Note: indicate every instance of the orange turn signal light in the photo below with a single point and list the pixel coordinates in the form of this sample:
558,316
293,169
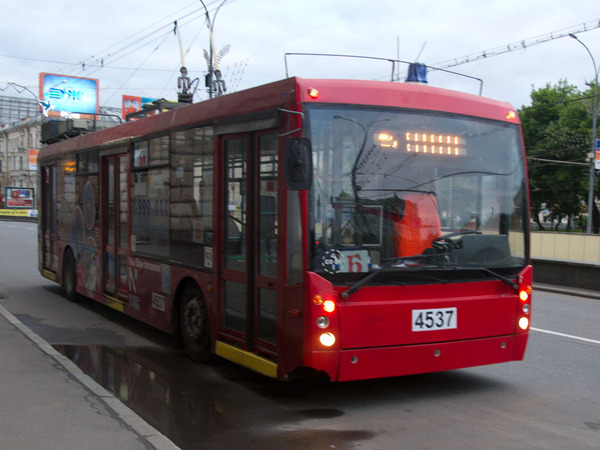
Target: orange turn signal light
313,93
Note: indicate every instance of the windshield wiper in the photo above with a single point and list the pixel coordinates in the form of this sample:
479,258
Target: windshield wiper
360,283
502,278
418,191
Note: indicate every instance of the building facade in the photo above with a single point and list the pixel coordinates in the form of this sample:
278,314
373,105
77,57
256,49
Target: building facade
14,109
21,136
18,155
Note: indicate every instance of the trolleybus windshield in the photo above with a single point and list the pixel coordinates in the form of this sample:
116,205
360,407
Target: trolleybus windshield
449,190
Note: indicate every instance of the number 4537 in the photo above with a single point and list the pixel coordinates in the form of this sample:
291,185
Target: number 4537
434,319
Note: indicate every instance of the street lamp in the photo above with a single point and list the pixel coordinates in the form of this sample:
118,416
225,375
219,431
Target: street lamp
44,106
594,121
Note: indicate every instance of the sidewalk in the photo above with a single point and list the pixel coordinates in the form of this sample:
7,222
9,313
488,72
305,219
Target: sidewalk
47,402
565,290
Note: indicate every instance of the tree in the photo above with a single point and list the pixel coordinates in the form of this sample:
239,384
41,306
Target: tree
556,130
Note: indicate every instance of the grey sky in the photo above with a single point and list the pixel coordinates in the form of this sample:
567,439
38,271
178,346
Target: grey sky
131,48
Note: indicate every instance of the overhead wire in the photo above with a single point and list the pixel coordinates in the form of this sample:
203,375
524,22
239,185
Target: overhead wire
135,71
132,39
142,30
139,43
135,43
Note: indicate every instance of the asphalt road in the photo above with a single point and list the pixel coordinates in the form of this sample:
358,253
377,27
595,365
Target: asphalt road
551,400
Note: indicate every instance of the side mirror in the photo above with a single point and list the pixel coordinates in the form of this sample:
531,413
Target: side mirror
298,164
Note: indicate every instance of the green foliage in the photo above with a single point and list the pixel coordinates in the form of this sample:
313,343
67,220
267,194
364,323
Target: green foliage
557,127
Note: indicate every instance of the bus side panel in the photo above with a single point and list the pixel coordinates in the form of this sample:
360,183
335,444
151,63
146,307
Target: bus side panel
151,282
152,292
291,333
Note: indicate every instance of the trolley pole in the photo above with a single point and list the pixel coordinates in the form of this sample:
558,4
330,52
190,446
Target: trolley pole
210,24
592,172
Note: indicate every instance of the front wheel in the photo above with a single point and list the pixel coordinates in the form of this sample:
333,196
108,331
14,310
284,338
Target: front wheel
193,322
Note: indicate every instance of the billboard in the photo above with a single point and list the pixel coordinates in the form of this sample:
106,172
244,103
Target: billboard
19,197
67,94
33,158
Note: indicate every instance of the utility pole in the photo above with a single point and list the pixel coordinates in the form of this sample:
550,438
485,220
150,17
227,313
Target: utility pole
592,171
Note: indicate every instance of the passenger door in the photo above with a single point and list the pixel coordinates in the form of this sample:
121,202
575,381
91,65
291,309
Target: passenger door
250,241
48,220
114,226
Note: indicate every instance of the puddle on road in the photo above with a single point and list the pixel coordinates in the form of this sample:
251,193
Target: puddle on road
182,400
196,405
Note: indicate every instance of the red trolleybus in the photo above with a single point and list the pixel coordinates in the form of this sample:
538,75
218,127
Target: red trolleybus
360,229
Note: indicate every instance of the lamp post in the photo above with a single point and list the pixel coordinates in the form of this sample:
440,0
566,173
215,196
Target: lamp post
594,121
43,105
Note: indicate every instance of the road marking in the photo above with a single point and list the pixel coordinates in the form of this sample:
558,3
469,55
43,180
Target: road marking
566,335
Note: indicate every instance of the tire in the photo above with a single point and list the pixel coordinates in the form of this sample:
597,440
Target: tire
70,277
193,324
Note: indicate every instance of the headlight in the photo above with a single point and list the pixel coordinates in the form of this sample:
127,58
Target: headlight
327,339
524,323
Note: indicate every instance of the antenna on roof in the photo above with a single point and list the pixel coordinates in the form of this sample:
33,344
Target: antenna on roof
421,51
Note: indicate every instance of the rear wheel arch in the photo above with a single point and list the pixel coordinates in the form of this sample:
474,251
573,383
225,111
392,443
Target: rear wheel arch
69,275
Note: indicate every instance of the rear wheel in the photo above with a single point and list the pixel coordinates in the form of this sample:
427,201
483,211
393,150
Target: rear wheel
70,276
193,323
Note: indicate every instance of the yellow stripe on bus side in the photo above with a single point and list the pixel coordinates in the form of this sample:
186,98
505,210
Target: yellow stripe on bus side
114,303
50,275
246,359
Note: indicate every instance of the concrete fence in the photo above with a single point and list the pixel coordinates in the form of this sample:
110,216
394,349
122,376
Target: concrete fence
566,246
571,260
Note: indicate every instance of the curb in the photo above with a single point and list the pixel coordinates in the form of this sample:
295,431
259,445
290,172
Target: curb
138,425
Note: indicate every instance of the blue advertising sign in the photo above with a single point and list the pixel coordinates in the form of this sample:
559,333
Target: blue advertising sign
69,94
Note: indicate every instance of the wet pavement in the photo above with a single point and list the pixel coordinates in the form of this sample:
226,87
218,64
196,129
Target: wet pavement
195,407
47,402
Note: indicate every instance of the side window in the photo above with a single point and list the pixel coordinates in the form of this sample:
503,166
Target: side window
191,199
150,197
268,224
70,224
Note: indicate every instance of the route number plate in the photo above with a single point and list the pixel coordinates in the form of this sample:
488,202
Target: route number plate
433,319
